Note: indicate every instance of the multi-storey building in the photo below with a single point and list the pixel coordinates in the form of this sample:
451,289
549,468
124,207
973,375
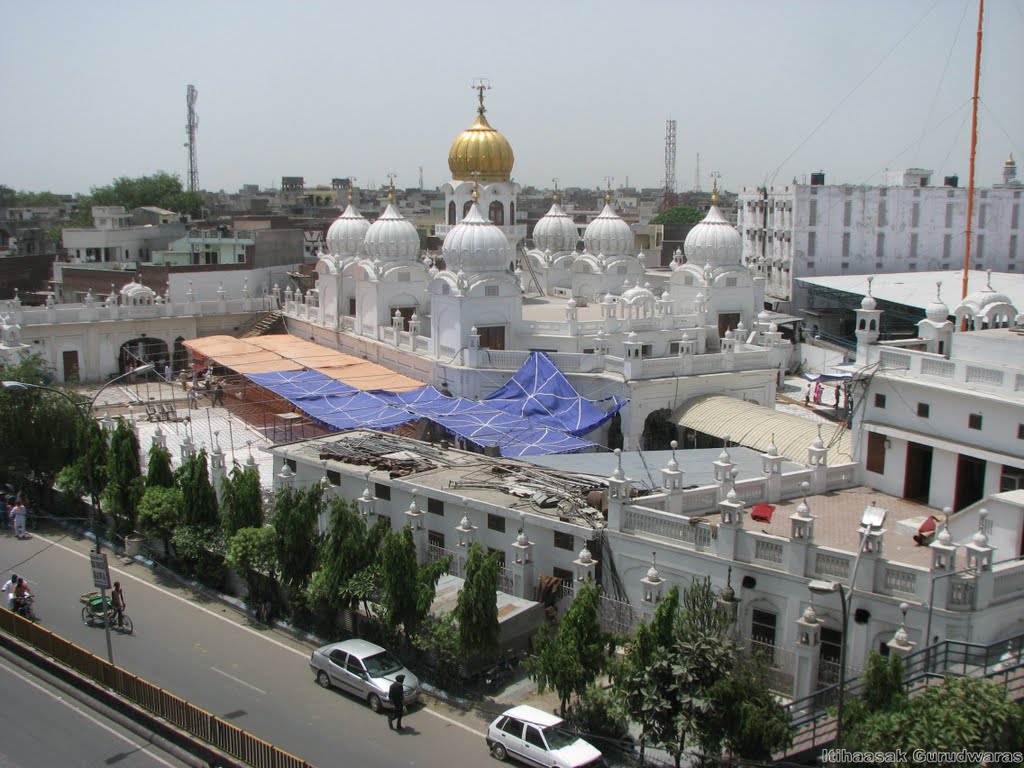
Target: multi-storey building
906,225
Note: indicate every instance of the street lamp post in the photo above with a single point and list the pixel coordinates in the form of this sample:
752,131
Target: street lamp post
83,409
820,587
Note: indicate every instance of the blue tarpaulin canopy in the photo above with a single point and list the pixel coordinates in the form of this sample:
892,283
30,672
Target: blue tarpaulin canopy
537,412
541,393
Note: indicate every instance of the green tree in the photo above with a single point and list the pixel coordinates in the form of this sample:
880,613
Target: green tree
161,189
883,689
251,552
8,197
160,512
407,588
124,477
744,717
963,713
241,500
681,214
476,609
38,200
296,514
200,499
158,472
570,659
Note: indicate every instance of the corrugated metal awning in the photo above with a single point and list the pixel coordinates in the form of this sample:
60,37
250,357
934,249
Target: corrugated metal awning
753,426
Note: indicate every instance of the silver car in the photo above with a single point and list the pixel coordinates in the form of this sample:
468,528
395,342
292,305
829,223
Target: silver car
363,669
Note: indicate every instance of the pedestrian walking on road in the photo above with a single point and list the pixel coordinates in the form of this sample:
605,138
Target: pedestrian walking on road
218,395
396,693
118,604
20,515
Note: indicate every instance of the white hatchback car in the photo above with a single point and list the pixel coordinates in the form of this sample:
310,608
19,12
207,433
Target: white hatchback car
363,669
538,738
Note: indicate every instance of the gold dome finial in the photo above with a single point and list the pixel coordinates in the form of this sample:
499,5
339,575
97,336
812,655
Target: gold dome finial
476,186
608,194
391,187
554,195
480,85
1011,161
714,187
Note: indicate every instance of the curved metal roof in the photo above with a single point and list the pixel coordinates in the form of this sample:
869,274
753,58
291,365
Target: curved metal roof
754,426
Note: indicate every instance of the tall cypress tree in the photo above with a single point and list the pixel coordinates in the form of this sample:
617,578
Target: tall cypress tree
197,491
159,473
124,477
241,500
477,608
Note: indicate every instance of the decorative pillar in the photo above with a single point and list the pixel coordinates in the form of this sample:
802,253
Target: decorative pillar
367,503
414,519
901,645
571,317
807,653
730,513
618,494
466,531
979,559
801,536
222,299
522,564
586,565
943,564
473,348
188,449
771,468
191,308
651,585
817,461
159,438
285,478
672,482
217,469
632,357
723,469
414,327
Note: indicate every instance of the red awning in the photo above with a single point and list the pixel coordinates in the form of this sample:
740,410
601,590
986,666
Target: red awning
762,512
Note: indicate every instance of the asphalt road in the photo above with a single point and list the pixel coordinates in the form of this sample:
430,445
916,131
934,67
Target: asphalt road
210,655
42,726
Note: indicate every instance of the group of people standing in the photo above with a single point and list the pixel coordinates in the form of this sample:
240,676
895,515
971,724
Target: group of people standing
16,516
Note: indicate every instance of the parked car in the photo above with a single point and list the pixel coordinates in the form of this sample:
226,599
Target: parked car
363,669
538,738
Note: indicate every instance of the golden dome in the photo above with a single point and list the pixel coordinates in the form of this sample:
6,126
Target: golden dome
481,152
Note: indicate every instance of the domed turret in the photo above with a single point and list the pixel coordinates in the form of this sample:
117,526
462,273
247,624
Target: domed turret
555,231
476,245
392,237
480,151
347,233
714,240
608,233
937,311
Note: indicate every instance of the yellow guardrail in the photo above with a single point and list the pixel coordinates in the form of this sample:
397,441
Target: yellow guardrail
188,717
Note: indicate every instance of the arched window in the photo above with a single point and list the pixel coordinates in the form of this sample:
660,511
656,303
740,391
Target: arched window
862,324
871,325
465,208
451,212
511,213
496,213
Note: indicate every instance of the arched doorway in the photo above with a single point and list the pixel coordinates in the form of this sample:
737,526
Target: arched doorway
180,360
140,351
615,432
451,213
496,213
659,432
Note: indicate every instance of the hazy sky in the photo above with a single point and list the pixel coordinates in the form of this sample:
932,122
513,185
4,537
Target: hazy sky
582,90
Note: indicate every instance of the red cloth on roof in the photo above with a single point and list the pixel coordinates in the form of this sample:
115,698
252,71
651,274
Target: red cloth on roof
762,512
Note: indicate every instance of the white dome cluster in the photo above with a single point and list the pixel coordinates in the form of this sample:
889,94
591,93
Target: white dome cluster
608,234
713,241
347,232
555,231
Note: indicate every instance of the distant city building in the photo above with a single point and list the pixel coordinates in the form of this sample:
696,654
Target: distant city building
906,225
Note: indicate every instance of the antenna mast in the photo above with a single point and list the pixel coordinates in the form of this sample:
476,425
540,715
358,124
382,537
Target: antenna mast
668,194
190,132
696,175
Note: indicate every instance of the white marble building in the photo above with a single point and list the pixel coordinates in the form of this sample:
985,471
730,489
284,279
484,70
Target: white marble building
462,320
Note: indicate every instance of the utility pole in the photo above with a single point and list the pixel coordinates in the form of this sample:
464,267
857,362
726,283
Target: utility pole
668,194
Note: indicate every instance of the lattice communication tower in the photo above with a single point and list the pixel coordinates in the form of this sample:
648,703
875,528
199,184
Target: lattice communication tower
668,196
190,132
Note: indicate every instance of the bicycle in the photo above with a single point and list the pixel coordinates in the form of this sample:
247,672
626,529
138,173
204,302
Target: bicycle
93,613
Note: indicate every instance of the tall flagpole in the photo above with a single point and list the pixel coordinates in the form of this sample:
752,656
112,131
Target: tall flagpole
974,147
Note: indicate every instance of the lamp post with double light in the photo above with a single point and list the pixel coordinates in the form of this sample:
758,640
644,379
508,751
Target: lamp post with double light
83,408
820,587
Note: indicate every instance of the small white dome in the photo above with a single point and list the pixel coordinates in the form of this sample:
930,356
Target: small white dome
868,303
585,556
136,291
937,312
635,294
608,233
476,245
714,241
652,574
392,237
810,615
555,231
347,233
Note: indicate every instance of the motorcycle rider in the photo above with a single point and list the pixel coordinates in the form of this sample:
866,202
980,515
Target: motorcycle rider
22,596
9,589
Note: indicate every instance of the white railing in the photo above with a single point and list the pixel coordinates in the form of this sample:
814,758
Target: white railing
840,476
768,551
99,311
978,375
961,594
667,526
348,323
941,368
831,565
894,361
505,580
898,580
703,499
1009,582
435,553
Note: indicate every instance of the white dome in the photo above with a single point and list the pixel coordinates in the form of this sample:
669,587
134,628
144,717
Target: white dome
476,245
937,312
868,303
713,241
608,234
981,300
392,237
636,293
136,291
347,233
555,231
